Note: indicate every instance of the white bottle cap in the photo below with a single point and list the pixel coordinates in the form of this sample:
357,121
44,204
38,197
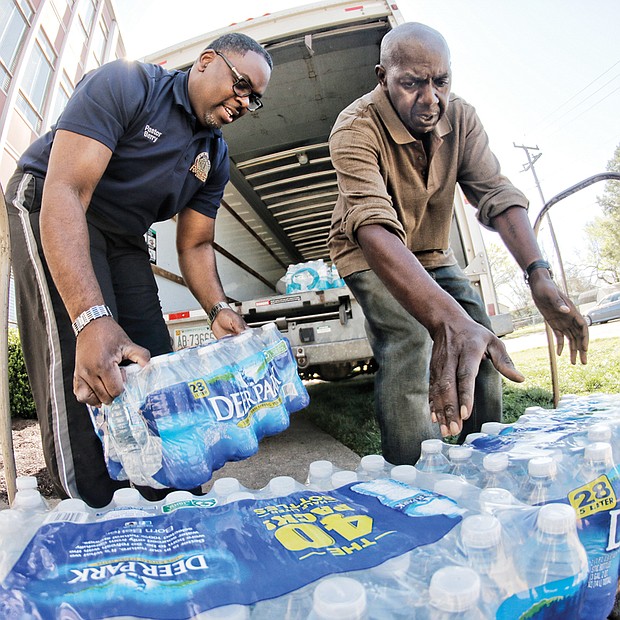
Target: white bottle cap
178,496
542,467
394,567
454,588
492,428
598,451
282,485
404,473
556,519
494,496
26,482
460,453
432,446
72,504
339,597
345,476
321,469
227,612
599,432
481,531
473,436
127,497
495,462
226,486
373,462
452,488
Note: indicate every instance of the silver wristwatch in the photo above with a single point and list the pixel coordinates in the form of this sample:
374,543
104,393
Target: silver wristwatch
95,312
220,305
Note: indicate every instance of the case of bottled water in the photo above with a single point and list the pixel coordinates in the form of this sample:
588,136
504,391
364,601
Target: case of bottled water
187,413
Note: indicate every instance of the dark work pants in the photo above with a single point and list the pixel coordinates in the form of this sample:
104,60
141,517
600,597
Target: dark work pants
402,348
73,453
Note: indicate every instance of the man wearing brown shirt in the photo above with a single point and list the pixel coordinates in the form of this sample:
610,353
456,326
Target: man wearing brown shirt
399,152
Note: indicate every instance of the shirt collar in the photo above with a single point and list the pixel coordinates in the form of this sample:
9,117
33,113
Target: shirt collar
181,98
399,133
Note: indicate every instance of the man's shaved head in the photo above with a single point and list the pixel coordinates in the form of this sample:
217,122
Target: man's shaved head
406,35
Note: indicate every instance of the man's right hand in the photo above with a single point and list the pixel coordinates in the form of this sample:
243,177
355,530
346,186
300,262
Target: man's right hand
458,348
100,347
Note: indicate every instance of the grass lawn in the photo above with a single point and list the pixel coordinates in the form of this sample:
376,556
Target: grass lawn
345,409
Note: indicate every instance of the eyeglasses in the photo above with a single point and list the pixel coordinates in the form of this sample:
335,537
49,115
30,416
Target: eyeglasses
242,87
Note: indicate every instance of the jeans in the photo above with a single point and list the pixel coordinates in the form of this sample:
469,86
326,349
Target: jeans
402,349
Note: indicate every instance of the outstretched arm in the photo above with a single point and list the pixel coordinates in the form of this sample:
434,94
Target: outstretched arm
558,310
195,236
75,167
459,343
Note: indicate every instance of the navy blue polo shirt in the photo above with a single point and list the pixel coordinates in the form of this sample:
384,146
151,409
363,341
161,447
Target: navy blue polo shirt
160,153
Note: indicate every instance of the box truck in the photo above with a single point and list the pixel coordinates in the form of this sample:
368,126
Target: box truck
277,207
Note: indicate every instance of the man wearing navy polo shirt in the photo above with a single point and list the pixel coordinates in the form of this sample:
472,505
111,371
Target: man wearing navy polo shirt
136,144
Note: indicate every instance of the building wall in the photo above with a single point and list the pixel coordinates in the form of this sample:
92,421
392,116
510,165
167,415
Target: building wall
46,46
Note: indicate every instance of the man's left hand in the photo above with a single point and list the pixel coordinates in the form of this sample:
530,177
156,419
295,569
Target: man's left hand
561,314
227,323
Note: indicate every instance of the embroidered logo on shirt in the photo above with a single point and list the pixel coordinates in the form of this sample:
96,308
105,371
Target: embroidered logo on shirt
201,167
152,134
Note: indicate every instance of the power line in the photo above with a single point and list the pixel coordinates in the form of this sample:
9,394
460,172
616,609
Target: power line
584,112
577,94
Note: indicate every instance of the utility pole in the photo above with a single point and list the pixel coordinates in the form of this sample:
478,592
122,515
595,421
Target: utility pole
530,166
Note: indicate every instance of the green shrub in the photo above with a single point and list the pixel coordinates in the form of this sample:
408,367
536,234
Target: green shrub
21,403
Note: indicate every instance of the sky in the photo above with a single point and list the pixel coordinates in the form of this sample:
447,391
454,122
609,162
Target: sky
540,73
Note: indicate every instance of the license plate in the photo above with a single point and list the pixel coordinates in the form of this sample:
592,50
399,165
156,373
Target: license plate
185,337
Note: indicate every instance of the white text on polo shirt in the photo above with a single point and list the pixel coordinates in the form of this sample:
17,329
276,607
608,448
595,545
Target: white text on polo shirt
151,133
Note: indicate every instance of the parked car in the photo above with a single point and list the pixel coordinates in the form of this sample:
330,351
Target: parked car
605,310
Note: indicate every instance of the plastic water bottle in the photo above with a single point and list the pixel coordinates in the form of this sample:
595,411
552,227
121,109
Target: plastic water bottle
13,539
280,486
223,487
404,473
319,475
496,498
462,465
454,594
127,502
540,486
554,557
496,474
339,597
72,510
597,460
432,459
481,537
391,591
239,495
29,500
342,477
372,466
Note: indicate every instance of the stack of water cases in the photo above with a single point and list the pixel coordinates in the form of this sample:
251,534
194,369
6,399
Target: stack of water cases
187,413
520,522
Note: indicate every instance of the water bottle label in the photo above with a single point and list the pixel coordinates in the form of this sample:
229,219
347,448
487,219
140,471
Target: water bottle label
182,559
558,599
597,495
209,502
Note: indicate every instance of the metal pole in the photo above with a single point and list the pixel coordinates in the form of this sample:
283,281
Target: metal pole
6,436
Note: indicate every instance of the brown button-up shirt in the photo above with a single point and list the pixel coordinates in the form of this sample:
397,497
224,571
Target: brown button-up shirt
385,177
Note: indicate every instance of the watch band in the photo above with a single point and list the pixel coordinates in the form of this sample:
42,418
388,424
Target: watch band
95,312
220,305
537,264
